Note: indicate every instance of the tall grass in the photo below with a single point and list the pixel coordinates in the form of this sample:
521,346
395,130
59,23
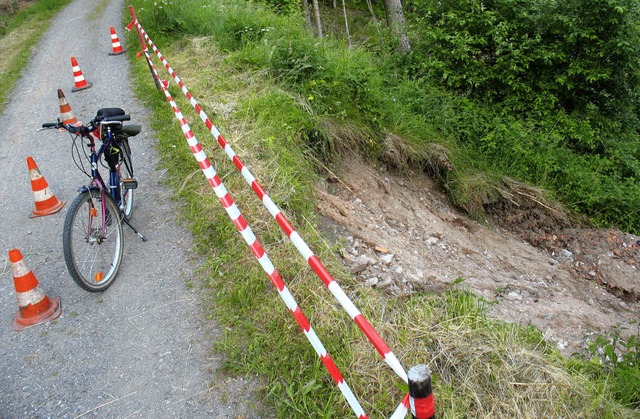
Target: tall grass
19,33
369,88
267,85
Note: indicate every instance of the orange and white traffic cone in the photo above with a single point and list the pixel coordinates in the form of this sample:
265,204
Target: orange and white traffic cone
46,203
34,306
78,77
66,114
115,43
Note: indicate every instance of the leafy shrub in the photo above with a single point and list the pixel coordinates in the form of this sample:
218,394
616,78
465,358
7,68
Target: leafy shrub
618,360
297,59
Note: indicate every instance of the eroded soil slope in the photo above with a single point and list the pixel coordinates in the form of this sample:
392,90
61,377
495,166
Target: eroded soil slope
402,236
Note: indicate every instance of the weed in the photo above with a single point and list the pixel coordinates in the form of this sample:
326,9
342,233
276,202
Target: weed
481,367
19,33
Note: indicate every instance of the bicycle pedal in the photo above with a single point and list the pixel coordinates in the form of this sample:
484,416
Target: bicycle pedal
130,184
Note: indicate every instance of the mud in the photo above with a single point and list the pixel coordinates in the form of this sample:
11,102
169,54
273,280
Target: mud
401,235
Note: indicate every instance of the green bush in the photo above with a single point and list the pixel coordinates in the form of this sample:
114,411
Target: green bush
616,361
494,81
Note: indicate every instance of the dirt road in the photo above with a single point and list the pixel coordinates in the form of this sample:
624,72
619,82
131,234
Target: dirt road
139,349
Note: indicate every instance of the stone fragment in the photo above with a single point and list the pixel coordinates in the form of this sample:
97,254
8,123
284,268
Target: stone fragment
371,282
514,296
381,249
386,259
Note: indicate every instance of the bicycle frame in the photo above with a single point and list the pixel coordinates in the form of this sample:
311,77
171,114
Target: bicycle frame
96,178
95,157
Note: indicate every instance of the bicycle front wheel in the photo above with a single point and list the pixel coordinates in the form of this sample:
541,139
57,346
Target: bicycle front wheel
92,240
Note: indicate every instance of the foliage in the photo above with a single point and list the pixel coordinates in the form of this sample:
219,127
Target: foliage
532,54
545,91
549,87
617,361
289,93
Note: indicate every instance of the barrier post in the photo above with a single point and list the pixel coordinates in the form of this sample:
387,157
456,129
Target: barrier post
420,392
143,45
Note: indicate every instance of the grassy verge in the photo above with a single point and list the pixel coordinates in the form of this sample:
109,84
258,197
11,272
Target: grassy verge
19,33
481,367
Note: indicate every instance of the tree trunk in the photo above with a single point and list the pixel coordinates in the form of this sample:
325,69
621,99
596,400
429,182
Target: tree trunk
346,23
316,10
397,23
307,13
370,6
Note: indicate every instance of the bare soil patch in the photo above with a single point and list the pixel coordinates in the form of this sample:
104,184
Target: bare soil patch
401,235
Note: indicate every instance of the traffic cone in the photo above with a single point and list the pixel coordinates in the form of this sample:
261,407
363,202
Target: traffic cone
66,114
34,306
81,83
115,43
46,202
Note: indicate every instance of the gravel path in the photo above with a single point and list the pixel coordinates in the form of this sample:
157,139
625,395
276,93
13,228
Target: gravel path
139,349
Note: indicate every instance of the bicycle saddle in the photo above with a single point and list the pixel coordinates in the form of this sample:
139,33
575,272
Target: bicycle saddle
108,112
131,130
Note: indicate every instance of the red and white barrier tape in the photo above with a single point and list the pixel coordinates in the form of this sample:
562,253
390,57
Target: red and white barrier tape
313,261
402,409
234,213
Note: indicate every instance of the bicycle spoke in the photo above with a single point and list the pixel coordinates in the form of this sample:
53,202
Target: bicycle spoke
93,257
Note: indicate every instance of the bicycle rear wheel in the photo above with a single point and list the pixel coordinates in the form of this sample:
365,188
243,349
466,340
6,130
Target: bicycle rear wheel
125,173
93,253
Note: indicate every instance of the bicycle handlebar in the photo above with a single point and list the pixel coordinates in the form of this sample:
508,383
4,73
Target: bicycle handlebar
117,118
85,129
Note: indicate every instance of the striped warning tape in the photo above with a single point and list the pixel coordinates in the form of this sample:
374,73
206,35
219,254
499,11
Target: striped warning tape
313,261
234,213
402,409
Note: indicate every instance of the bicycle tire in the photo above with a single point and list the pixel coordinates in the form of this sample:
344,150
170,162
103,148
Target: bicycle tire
93,260
125,171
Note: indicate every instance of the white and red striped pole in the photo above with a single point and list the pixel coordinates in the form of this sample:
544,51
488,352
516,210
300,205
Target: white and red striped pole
234,213
313,261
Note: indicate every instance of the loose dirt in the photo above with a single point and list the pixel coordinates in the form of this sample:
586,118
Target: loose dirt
401,235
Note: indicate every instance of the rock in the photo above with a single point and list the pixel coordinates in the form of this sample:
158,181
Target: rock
371,282
385,283
386,259
381,249
514,296
355,269
432,240
360,263
567,255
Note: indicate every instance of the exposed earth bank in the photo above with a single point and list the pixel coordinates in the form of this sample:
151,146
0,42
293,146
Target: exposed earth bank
402,236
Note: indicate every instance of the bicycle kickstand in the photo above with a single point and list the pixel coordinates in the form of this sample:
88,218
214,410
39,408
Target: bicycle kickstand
127,222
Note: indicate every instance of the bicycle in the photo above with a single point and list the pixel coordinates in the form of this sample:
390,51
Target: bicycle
92,237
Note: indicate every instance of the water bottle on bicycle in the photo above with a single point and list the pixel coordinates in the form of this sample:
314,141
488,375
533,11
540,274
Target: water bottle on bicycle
92,238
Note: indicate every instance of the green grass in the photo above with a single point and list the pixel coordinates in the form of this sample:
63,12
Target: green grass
481,367
19,34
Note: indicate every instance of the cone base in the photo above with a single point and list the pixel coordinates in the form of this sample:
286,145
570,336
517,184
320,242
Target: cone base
52,313
55,208
76,89
119,52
